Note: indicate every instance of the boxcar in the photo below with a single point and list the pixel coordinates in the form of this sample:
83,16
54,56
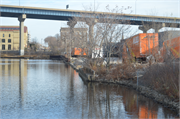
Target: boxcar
138,47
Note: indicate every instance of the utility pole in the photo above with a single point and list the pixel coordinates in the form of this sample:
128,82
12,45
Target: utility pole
178,8
135,6
70,48
41,45
66,47
94,5
1,47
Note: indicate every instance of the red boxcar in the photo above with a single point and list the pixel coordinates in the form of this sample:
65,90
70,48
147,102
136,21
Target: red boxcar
79,52
171,47
140,46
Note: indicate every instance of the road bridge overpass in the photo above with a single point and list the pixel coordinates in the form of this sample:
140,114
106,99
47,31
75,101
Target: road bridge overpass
145,21
65,15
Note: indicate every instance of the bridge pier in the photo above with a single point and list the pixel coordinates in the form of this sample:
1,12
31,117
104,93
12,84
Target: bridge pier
157,26
91,24
91,29
71,24
21,33
144,28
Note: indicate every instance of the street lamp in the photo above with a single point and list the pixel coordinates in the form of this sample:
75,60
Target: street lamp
94,5
67,6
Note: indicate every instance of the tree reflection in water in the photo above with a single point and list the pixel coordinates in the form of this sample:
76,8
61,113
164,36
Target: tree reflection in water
114,101
51,89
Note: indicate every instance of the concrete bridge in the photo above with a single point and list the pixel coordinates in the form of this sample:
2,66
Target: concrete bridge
146,22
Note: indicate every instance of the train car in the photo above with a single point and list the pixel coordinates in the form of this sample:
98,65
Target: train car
79,52
171,48
140,46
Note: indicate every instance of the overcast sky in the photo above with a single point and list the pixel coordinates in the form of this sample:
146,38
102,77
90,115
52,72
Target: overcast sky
43,28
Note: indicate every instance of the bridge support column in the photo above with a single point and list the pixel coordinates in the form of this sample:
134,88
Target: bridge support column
71,24
158,26
144,28
91,34
91,29
21,33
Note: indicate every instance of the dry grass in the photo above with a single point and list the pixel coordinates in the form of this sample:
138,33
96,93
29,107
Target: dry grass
118,72
161,77
164,78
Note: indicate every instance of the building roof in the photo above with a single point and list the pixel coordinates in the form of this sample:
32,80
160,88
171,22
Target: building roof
12,28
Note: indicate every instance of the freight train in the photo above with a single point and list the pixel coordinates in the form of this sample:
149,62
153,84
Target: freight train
140,46
143,45
171,49
79,52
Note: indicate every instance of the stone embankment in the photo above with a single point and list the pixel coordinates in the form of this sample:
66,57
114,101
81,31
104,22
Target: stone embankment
88,75
52,57
26,56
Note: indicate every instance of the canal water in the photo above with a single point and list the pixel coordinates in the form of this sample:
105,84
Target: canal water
51,89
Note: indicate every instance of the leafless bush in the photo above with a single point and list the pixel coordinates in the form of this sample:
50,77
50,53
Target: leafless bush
118,72
163,78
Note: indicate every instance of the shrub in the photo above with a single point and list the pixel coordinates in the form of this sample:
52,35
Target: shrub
164,78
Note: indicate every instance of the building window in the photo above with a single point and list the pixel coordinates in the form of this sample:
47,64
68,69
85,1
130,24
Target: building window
9,35
9,47
3,40
9,40
3,47
3,35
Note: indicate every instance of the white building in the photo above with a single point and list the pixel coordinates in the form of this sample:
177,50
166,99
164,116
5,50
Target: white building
97,52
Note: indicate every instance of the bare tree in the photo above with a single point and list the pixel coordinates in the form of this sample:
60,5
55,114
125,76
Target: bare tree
54,43
105,32
34,45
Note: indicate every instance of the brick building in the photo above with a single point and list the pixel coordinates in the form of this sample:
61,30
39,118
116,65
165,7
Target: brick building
9,38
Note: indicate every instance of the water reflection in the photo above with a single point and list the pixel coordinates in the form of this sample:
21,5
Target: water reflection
21,76
113,101
51,89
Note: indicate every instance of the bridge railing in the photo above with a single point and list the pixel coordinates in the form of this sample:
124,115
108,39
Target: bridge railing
68,13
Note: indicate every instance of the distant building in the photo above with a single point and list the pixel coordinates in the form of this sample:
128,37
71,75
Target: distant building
9,38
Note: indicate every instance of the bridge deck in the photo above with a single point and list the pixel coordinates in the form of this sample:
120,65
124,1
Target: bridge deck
63,14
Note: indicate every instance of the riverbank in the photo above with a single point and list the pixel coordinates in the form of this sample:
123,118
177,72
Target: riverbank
25,56
37,56
165,100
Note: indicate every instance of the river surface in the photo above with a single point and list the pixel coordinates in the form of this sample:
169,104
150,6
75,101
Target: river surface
51,89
